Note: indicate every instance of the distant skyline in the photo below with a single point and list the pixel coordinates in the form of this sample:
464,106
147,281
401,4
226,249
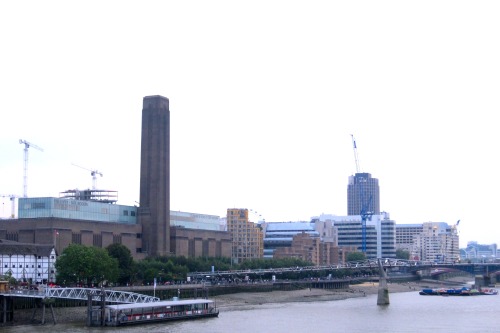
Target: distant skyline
264,97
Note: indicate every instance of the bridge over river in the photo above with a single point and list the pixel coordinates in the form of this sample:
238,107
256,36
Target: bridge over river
388,264
378,267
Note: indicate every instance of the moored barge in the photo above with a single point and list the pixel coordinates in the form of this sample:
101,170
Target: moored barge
141,313
464,291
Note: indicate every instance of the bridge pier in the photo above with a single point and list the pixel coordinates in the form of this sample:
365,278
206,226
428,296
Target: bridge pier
482,281
383,290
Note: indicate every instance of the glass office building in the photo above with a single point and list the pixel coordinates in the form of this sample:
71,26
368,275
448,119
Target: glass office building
195,221
76,210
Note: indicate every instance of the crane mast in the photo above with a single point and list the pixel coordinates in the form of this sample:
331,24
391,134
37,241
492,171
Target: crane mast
356,159
12,198
25,175
365,203
93,173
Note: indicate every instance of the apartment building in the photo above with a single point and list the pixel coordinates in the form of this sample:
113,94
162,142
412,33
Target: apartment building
247,236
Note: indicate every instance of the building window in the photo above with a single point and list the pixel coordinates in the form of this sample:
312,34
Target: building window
97,240
125,212
39,266
132,213
13,266
76,238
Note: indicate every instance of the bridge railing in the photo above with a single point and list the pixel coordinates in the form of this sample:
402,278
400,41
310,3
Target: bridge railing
115,296
369,263
24,292
110,295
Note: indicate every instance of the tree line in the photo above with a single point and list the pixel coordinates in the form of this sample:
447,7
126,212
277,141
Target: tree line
88,266
80,265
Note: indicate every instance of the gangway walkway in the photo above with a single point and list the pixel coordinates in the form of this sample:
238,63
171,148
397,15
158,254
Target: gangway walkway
114,296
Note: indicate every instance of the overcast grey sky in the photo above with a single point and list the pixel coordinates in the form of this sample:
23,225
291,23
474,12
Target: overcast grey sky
264,96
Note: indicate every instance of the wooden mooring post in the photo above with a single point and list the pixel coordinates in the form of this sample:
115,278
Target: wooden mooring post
7,309
44,302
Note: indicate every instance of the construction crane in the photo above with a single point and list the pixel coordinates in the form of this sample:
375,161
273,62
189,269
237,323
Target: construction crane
356,159
365,203
25,178
93,173
12,198
455,227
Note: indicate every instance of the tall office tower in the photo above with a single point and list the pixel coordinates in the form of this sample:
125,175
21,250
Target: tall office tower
154,206
363,193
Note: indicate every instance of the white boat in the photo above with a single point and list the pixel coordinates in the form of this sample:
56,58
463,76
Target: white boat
488,291
141,313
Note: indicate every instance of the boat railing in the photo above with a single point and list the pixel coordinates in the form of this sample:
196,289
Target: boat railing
163,315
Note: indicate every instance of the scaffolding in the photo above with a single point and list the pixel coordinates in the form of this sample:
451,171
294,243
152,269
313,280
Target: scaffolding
103,196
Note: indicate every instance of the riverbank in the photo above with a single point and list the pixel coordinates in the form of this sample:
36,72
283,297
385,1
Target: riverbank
244,300
251,300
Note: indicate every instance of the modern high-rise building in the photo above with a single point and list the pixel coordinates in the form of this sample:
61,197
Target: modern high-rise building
154,206
380,234
363,193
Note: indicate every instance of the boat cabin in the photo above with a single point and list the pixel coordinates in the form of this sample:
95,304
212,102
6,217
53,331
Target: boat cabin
127,314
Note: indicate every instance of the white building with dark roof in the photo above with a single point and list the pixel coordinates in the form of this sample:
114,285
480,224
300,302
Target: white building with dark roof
32,263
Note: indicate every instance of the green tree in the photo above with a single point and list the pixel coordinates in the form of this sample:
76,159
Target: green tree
86,265
402,254
9,278
125,262
355,256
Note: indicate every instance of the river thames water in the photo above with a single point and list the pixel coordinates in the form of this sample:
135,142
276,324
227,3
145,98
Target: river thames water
407,312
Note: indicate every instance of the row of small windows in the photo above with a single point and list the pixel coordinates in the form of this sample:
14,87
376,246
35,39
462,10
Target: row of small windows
21,266
40,257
